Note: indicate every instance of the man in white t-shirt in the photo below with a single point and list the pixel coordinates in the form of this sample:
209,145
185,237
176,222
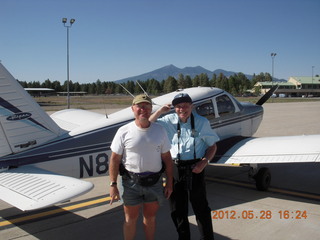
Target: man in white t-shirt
141,147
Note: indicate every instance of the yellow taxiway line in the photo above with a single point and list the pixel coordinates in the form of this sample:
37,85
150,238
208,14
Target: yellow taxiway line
55,211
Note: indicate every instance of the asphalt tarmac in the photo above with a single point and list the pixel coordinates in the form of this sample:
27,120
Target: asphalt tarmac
289,210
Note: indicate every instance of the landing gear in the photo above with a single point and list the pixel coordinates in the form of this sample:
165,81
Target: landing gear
262,177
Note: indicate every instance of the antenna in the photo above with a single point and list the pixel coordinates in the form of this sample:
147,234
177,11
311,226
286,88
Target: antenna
142,89
105,110
126,90
146,93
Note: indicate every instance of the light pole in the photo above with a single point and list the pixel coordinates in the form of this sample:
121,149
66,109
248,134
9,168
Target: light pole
64,21
312,77
273,56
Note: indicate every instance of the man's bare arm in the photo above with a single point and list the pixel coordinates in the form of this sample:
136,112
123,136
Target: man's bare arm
210,152
167,159
115,161
164,109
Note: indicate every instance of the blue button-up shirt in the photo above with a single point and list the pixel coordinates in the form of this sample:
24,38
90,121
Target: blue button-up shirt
204,136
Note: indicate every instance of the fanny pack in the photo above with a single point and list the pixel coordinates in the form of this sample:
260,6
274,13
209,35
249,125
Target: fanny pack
146,179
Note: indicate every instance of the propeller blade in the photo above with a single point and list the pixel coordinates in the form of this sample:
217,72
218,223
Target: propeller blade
265,97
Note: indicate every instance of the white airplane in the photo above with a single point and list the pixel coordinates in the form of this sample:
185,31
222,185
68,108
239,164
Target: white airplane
42,157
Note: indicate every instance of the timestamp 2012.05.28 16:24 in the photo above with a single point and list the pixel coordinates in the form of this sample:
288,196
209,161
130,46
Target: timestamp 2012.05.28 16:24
262,214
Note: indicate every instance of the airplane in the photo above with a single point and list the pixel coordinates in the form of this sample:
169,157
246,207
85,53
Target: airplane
43,158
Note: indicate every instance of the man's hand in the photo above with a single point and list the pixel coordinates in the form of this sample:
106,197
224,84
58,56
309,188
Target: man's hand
168,190
114,194
198,168
164,109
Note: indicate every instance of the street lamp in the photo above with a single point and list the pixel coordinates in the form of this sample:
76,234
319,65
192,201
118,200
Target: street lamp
312,76
273,56
64,21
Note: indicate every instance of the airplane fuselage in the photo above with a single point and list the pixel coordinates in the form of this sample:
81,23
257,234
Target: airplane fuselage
84,151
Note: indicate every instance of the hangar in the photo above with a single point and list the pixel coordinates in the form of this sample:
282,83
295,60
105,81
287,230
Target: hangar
294,87
40,92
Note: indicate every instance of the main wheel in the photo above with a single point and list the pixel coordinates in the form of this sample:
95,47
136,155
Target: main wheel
263,179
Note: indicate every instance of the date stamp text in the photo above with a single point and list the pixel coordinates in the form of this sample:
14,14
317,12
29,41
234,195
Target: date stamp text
262,214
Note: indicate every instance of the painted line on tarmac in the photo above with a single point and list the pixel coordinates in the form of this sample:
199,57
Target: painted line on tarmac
73,207
306,195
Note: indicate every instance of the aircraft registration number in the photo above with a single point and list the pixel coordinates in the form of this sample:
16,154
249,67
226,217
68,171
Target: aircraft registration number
91,166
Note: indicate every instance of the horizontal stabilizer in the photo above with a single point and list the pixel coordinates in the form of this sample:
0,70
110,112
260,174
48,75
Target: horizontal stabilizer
70,119
29,188
288,149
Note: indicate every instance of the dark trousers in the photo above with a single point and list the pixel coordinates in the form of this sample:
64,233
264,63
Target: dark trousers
198,198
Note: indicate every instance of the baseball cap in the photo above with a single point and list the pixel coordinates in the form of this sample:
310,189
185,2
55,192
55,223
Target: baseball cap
141,98
181,98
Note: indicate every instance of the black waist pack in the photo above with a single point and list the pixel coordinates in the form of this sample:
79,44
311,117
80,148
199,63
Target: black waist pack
142,179
145,180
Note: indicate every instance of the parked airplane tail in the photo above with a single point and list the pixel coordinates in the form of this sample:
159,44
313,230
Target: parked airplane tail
23,123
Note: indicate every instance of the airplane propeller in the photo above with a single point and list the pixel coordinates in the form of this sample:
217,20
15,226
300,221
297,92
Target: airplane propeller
265,97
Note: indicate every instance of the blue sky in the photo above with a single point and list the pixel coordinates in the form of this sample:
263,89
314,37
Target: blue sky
115,39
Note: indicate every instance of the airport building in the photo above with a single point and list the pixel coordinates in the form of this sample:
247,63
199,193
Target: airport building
40,92
294,87
44,92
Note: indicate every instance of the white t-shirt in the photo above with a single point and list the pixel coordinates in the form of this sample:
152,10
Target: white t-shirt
141,148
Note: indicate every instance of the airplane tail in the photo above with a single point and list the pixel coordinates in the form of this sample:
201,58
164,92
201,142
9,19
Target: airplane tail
23,123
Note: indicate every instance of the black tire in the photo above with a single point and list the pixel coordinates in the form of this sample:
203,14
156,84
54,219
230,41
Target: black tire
263,179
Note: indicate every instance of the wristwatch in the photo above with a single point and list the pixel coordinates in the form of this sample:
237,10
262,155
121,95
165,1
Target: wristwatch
113,183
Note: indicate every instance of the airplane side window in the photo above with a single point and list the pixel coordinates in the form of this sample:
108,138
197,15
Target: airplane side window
206,109
225,105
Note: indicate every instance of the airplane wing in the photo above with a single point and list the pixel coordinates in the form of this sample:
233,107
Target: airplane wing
29,188
287,149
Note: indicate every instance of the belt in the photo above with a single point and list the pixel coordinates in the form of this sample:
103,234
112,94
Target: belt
142,174
186,162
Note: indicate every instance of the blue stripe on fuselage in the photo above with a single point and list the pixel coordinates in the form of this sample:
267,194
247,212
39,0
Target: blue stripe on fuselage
95,141
218,122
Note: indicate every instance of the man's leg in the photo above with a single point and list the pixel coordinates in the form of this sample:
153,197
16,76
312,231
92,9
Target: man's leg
131,214
149,219
179,210
199,202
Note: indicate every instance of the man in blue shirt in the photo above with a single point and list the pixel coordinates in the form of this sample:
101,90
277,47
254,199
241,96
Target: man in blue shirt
193,144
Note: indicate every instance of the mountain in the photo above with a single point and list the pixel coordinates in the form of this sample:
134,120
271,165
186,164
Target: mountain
171,70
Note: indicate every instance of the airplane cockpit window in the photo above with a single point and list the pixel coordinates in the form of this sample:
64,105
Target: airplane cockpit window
225,105
206,109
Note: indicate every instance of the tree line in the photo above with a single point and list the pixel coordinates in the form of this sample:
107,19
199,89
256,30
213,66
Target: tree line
236,84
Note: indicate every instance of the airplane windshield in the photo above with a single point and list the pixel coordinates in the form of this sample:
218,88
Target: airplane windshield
225,105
